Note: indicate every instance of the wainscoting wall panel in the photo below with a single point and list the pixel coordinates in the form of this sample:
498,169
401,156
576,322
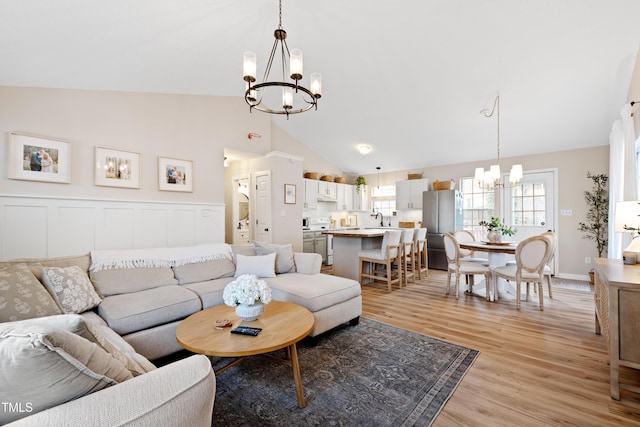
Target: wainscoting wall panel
81,220
25,230
116,228
32,226
153,227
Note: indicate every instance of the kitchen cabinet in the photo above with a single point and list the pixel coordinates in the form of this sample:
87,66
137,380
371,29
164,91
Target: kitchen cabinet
344,197
327,191
315,242
361,199
409,193
617,301
310,194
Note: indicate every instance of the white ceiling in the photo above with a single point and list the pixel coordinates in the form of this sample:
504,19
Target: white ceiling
407,77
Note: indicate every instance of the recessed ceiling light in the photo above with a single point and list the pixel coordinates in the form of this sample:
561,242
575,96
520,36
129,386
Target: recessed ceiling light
364,148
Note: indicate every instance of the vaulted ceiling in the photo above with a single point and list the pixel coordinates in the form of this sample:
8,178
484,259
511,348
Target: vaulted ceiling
407,77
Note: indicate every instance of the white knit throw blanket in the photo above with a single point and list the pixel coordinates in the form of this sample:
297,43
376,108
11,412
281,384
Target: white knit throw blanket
158,257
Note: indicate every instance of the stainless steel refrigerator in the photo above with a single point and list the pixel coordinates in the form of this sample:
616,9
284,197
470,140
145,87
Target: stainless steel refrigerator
441,211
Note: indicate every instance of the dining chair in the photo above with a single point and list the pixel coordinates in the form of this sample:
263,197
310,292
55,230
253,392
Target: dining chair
547,267
531,256
546,272
465,236
420,249
455,265
380,262
407,258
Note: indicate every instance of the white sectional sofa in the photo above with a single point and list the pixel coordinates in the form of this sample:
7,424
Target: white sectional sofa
130,310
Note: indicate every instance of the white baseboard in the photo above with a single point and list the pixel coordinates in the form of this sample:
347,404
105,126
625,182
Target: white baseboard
572,276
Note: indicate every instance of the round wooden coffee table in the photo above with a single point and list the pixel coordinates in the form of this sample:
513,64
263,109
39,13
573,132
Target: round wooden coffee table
283,325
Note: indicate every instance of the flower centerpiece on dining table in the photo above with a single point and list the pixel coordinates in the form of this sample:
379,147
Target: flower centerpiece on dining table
496,229
247,294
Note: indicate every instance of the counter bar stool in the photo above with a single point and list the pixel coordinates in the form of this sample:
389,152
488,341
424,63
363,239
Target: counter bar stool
407,259
420,249
381,260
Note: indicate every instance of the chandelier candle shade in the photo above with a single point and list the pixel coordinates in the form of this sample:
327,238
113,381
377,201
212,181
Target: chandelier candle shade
492,177
294,97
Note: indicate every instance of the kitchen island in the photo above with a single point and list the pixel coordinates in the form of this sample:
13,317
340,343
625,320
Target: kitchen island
347,244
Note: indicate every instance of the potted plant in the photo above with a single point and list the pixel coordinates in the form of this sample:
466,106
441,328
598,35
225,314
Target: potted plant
360,183
496,229
595,227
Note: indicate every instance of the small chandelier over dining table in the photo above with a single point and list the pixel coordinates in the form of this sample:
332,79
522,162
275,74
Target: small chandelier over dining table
492,178
295,98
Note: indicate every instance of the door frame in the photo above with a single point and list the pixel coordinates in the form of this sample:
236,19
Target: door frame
555,210
254,206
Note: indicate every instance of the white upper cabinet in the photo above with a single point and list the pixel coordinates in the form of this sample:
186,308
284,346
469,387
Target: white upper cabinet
327,190
361,199
310,194
409,193
345,197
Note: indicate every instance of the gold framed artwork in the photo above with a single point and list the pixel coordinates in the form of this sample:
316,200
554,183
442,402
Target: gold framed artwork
39,158
290,194
117,168
175,174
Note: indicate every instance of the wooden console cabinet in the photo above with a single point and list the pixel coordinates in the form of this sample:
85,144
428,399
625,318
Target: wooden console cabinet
617,298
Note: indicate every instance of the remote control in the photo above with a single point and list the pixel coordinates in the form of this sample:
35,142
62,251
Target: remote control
246,330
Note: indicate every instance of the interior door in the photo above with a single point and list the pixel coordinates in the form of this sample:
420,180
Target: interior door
263,206
531,205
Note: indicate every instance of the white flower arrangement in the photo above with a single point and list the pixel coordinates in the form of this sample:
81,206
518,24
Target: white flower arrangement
246,289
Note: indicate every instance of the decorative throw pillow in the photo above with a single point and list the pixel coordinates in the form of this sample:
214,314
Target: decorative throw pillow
284,255
76,324
71,288
261,266
246,250
118,281
202,271
22,296
47,366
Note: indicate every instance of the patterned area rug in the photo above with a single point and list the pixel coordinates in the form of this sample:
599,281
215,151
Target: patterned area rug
371,374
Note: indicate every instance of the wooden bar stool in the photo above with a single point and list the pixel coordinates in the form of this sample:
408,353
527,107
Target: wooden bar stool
407,259
420,250
381,261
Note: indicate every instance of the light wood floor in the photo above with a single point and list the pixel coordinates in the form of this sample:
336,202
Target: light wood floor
535,368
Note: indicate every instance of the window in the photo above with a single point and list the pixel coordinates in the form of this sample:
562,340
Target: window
528,204
383,200
478,204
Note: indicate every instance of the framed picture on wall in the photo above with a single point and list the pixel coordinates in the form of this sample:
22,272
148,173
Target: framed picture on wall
39,158
175,174
117,168
290,194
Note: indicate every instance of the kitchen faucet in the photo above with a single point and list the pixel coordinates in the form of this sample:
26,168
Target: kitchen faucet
381,218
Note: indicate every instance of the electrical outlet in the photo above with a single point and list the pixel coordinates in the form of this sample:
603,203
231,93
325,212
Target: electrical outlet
587,260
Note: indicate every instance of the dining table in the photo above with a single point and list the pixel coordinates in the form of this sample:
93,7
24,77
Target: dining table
498,255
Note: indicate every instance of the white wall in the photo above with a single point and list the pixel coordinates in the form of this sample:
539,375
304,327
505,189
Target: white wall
188,127
57,226
572,167
196,128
